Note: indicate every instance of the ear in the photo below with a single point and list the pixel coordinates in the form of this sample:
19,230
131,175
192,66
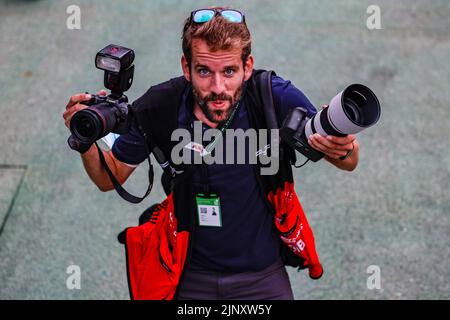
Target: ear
248,68
185,67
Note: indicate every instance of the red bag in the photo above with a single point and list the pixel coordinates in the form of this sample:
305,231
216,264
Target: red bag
295,231
156,253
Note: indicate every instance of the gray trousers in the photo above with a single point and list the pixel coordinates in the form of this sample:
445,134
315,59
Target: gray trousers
271,283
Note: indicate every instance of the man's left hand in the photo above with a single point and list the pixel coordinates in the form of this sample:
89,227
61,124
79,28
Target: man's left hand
342,152
332,146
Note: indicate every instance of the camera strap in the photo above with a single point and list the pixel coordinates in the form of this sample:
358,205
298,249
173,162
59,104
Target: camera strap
120,190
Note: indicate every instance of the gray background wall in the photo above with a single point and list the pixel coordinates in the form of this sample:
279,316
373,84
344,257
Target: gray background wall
391,212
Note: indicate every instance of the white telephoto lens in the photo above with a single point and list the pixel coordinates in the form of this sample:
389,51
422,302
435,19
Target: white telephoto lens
350,111
354,109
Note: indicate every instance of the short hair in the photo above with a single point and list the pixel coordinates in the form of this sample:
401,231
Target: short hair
219,34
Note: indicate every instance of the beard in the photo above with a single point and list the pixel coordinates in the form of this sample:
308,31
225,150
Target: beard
213,115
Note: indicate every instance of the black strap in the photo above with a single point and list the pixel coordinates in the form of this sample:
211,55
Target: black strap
120,190
267,99
270,115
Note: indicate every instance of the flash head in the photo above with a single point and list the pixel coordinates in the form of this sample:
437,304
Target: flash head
117,62
114,58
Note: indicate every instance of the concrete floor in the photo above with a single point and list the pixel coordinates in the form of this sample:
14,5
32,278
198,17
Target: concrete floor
392,212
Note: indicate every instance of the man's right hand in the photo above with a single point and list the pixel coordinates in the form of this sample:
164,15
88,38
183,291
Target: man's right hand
90,158
75,104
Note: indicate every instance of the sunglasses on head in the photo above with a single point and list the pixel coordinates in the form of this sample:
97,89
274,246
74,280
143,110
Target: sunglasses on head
205,15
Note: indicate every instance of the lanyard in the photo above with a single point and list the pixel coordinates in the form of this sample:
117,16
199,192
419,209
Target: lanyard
210,147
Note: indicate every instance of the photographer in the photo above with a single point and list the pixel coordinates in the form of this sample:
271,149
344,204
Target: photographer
240,258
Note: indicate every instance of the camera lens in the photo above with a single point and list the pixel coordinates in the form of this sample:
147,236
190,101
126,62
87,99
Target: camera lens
351,109
361,106
87,126
350,112
93,123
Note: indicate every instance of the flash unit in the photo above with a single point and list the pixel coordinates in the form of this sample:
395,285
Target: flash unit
107,64
117,62
114,58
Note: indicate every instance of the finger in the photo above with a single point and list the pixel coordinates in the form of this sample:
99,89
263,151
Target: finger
342,140
322,148
78,107
68,114
102,93
73,109
333,157
70,110
329,144
78,98
324,106
326,152
326,149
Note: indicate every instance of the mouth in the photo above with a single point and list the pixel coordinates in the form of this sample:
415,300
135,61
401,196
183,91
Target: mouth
218,104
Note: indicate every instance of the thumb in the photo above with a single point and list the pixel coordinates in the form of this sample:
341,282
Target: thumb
102,93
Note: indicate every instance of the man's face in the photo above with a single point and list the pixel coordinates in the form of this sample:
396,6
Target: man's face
217,79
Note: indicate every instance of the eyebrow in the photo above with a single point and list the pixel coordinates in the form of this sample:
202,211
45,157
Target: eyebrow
226,67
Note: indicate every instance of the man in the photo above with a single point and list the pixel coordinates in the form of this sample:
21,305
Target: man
239,258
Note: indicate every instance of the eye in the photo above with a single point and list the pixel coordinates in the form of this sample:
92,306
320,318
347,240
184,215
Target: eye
229,72
203,71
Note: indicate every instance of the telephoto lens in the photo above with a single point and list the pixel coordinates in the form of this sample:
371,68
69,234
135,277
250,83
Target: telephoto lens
350,111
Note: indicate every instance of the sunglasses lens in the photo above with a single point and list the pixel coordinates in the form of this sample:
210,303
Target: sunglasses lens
232,16
202,16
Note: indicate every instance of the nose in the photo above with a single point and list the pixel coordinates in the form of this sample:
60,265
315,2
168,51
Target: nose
217,84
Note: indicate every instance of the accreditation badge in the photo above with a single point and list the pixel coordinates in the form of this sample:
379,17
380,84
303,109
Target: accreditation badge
208,210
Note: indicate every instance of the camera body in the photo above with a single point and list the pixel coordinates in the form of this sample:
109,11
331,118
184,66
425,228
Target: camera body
111,113
105,114
293,133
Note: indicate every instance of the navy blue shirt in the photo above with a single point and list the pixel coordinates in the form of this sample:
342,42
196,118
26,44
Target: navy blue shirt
248,239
